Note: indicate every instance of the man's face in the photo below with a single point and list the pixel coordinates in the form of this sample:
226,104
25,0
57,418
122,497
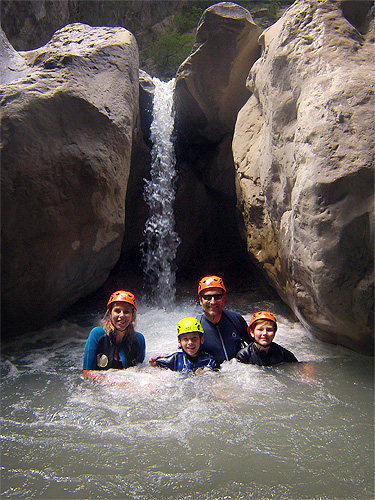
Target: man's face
212,301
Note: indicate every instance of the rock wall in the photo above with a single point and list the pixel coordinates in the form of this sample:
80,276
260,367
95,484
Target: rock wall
210,90
68,114
299,166
304,154
210,83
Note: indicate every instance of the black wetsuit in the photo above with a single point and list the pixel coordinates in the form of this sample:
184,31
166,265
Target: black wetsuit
180,361
224,339
275,355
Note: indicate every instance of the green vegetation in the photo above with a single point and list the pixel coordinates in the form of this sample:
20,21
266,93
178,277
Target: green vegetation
168,51
189,19
171,48
273,8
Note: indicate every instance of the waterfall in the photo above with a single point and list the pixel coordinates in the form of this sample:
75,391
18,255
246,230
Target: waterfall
161,241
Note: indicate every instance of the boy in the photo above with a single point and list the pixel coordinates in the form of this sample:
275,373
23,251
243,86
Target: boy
191,357
263,351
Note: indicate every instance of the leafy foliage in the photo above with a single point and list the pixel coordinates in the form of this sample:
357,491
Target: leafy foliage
273,7
189,17
169,50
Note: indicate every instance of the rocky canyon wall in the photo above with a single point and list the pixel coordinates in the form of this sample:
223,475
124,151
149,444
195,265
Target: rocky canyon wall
68,111
304,156
279,123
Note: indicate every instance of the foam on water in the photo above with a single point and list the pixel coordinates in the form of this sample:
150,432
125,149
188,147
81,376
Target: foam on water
297,431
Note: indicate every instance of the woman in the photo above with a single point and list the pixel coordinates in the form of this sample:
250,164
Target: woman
115,344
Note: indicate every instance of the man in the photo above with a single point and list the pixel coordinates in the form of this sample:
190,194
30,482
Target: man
225,332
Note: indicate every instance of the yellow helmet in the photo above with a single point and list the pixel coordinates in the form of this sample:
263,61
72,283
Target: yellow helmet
188,325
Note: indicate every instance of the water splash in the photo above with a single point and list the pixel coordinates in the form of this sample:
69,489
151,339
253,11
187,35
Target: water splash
161,241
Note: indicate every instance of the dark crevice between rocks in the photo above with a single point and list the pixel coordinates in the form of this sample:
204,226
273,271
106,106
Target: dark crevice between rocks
359,14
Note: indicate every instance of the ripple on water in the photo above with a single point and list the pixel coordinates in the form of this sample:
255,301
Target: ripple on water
298,431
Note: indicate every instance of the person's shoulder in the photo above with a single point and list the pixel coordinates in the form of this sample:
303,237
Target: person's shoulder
244,354
246,349
232,313
235,315
168,357
201,318
139,336
288,355
97,332
169,361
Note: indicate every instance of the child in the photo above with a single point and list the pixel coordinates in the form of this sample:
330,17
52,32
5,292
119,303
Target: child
191,357
263,351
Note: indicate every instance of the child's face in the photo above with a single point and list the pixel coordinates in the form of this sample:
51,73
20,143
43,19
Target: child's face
264,332
190,342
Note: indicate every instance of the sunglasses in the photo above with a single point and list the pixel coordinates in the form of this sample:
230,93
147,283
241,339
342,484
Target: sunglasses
217,296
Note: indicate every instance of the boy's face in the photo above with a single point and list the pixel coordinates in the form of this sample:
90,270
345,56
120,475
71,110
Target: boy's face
264,332
190,342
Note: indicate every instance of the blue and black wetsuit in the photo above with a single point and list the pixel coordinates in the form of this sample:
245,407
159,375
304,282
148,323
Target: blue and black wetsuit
182,362
275,355
100,350
224,339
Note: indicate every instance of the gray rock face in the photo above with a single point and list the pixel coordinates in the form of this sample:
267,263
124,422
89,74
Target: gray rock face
303,150
12,64
66,145
210,84
210,90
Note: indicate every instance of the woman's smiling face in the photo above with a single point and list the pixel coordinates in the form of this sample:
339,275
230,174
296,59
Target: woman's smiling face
122,314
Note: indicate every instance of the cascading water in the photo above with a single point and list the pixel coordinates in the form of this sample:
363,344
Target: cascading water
161,241
298,431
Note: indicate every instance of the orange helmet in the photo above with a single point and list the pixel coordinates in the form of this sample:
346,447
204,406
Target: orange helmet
211,282
122,296
261,315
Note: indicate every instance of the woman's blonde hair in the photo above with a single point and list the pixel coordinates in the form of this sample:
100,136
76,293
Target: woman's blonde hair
109,329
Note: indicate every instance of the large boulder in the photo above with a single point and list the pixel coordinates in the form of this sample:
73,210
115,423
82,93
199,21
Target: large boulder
12,64
303,150
211,82
65,155
210,90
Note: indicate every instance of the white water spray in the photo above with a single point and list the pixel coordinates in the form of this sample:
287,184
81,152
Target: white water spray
161,241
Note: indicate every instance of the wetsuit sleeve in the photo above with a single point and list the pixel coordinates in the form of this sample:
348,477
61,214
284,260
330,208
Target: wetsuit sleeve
168,362
289,357
214,365
243,356
142,348
91,349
